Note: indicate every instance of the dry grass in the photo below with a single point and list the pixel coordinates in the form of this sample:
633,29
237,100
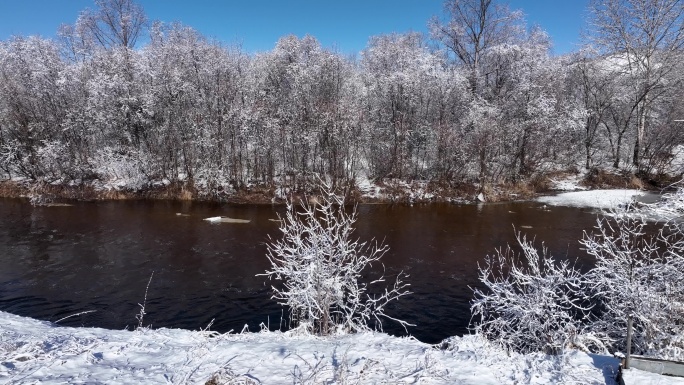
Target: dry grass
228,377
542,183
605,179
185,195
9,189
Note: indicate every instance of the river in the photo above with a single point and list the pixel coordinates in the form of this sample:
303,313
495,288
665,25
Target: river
99,256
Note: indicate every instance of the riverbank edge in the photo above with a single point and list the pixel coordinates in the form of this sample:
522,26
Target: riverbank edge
40,352
383,192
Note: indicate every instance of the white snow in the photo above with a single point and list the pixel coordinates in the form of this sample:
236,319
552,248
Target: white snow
34,352
367,187
639,377
601,199
569,183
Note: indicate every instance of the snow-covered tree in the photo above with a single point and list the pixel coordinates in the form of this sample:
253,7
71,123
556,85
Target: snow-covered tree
591,88
411,97
115,23
320,267
473,27
648,37
489,104
31,105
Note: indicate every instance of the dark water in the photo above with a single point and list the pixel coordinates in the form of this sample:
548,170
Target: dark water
57,261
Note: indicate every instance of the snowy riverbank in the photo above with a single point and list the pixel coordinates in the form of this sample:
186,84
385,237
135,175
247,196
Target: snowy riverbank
34,351
361,189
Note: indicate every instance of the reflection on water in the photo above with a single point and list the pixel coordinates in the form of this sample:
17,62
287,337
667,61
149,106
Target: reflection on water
57,261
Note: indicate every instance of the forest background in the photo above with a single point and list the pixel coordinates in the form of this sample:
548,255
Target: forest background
478,105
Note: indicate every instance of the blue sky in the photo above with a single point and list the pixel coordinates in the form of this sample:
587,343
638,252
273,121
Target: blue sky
257,24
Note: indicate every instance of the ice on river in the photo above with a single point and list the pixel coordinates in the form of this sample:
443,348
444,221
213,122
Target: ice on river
33,352
601,199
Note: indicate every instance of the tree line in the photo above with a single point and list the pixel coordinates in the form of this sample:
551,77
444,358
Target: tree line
480,100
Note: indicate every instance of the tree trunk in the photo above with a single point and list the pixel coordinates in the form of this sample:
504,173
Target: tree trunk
641,125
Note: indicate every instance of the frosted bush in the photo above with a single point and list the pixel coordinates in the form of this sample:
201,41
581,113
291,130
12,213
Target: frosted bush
9,153
670,207
120,169
639,273
54,158
531,302
320,266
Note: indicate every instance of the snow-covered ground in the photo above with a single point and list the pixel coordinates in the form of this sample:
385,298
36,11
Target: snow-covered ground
414,191
38,352
569,183
602,199
368,188
639,377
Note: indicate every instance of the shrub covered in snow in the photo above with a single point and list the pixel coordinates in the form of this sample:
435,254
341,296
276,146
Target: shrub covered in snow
320,266
119,168
534,303
670,207
638,273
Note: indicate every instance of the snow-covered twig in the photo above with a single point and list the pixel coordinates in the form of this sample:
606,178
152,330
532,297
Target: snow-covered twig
142,313
75,315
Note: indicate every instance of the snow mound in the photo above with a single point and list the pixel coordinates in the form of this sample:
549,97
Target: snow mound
34,351
600,199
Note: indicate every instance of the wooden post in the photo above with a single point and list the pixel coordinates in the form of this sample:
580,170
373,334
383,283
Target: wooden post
629,341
